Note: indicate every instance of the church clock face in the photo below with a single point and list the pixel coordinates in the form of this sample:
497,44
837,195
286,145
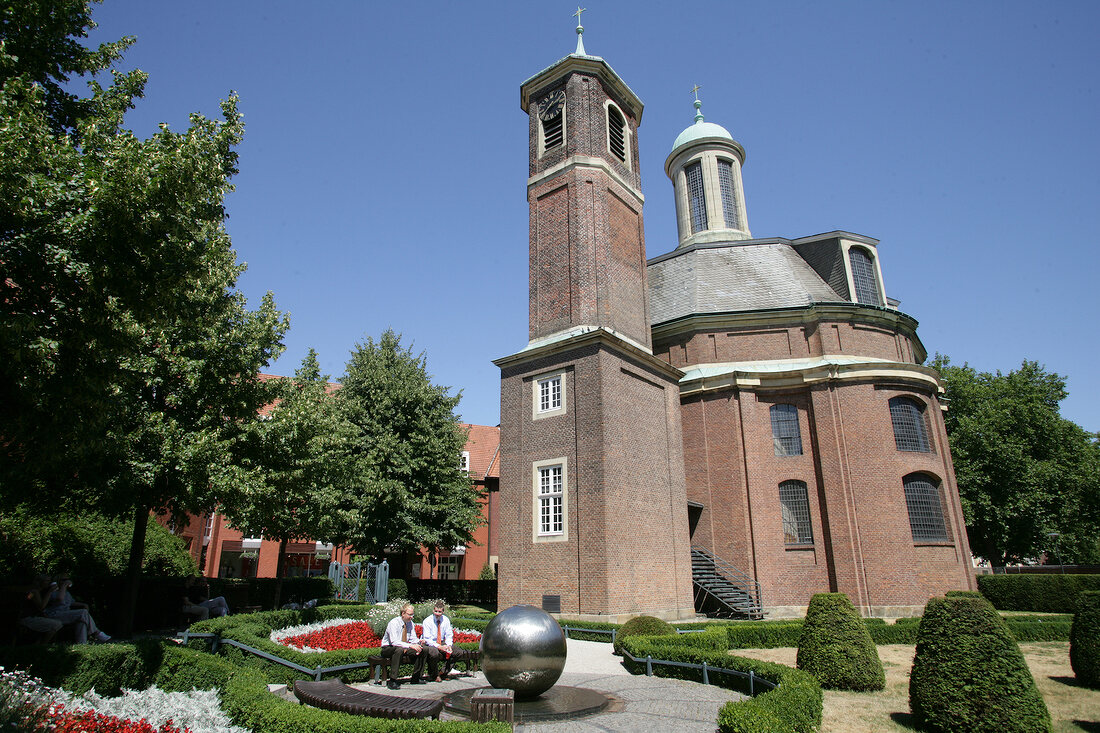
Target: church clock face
551,105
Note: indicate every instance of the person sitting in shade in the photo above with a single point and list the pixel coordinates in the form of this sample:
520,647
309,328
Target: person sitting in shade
34,603
401,643
438,640
62,607
196,603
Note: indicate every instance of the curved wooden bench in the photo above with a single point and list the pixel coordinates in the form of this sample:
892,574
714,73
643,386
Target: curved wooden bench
335,695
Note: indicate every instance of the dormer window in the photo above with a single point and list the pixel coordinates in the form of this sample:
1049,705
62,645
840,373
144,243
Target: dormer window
616,132
697,199
863,276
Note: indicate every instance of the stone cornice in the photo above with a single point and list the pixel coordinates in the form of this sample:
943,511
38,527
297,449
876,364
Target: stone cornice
587,336
584,161
586,65
794,373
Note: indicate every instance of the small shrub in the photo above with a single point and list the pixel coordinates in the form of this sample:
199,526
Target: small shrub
643,626
969,675
1084,640
836,647
397,588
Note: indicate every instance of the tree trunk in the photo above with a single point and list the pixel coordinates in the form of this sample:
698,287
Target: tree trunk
133,571
280,568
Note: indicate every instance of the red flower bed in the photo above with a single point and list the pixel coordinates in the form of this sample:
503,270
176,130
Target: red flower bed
356,635
60,720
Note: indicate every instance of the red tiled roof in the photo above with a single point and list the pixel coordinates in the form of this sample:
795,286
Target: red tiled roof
483,443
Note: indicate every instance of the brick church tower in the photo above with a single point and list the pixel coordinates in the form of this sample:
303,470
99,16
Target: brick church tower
593,505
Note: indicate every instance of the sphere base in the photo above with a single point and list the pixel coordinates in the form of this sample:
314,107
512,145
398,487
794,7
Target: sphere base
558,703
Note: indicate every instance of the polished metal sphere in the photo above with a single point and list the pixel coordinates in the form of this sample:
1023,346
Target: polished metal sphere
523,649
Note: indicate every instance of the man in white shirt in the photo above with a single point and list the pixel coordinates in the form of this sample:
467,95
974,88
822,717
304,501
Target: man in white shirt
438,640
400,643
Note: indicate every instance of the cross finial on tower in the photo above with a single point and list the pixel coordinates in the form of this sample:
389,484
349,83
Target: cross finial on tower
698,105
580,32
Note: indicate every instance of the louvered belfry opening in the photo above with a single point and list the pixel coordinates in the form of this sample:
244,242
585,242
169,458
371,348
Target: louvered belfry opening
616,132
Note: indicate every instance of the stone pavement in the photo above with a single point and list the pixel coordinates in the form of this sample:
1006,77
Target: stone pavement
653,704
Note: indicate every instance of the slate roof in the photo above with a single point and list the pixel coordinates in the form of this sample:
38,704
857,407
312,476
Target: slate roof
725,277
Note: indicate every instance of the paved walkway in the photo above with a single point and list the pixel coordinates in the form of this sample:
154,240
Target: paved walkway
644,703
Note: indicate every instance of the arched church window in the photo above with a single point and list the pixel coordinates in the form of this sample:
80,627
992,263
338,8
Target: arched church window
925,505
863,276
910,425
795,504
616,132
697,199
785,432
729,195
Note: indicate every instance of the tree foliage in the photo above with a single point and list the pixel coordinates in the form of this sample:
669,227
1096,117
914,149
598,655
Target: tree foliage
88,545
407,488
1024,472
299,471
128,359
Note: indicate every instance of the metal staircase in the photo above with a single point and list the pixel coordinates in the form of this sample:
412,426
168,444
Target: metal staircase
721,589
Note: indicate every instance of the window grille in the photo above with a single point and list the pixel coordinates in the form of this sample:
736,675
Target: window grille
552,131
550,394
551,520
910,430
863,275
697,200
616,133
922,499
729,200
785,431
795,503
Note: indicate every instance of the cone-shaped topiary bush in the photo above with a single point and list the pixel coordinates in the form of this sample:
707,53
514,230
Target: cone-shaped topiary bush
836,648
643,626
1084,640
969,675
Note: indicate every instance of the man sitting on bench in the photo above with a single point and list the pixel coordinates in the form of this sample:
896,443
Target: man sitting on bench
438,640
400,642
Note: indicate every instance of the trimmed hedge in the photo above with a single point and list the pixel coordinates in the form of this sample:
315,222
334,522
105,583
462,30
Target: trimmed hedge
836,647
793,707
244,694
475,592
1084,640
643,626
1041,593
969,675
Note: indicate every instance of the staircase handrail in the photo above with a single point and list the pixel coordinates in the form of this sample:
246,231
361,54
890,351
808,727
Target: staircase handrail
734,575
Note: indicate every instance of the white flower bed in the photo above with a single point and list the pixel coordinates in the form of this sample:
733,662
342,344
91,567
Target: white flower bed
199,710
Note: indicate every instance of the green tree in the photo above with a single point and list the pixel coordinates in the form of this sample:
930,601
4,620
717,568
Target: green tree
1024,472
298,453
407,488
129,360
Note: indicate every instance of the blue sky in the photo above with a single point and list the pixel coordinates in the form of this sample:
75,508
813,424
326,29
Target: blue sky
384,164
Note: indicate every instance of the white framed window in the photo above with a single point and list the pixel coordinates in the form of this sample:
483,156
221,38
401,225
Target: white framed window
464,461
864,277
548,395
551,500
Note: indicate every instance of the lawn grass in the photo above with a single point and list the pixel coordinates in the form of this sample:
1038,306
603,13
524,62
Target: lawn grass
1072,708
